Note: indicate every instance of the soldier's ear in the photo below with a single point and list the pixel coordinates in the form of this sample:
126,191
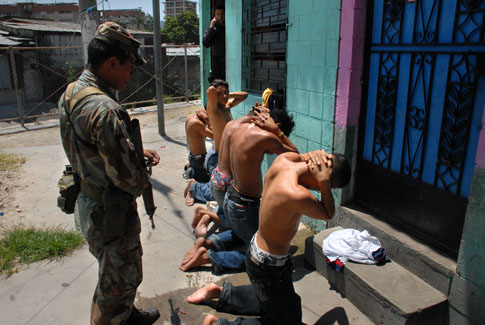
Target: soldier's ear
112,61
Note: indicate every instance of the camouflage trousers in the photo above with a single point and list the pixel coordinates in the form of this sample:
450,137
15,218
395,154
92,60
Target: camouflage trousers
120,267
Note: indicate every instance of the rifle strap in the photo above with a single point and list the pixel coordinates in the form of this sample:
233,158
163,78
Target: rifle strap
70,103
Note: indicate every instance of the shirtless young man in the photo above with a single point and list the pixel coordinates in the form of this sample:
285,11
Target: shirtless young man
286,197
247,147
219,104
221,176
197,128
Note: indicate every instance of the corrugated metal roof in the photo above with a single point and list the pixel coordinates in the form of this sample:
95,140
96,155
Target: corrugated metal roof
42,25
4,41
53,26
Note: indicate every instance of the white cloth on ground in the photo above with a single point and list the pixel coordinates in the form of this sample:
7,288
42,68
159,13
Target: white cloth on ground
351,244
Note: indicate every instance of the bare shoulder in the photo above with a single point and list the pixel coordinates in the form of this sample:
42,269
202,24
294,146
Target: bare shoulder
192,121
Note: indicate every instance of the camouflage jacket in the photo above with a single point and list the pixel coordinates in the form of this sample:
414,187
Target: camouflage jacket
105,153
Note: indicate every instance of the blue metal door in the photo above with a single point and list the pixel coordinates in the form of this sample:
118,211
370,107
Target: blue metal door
425,99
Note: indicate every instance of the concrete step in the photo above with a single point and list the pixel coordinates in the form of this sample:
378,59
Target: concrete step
387,294
427,263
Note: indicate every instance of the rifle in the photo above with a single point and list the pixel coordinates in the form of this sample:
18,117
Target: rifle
148,192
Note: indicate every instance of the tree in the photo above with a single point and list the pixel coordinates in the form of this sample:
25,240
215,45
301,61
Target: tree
138,21
149,22
183,28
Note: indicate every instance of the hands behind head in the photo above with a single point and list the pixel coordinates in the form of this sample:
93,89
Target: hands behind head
265,122
260,108
211,91
202,115
152,155
319,163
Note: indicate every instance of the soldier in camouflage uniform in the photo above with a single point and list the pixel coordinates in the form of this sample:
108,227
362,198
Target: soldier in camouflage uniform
95,134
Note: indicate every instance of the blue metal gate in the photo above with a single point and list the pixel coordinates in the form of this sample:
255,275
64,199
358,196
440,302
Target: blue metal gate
425,98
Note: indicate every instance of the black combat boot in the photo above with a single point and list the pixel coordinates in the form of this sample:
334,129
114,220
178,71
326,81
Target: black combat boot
143,317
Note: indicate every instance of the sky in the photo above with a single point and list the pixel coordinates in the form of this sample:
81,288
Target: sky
146,5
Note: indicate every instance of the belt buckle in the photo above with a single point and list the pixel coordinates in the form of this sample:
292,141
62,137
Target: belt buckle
255,260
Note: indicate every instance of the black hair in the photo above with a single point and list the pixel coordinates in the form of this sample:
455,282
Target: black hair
219,82
219,6
340,171
286,121
99,52
276,101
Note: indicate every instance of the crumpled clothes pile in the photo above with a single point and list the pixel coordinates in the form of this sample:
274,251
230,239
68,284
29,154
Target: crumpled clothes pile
351,244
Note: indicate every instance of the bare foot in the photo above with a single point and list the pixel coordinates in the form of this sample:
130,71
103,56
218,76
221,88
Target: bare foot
208,292
200,258
189,198
199,211
189,184
192,250
210,320
201,229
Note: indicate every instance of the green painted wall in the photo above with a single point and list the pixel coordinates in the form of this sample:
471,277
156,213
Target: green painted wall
205,53
233,45
312,62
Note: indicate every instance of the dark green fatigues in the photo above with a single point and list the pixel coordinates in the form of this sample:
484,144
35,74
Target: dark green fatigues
104,157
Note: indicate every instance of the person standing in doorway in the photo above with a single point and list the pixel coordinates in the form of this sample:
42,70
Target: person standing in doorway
215,38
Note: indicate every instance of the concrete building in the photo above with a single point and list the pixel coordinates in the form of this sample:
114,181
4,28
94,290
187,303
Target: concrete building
62,12
45,56
398,87
173,8
131,18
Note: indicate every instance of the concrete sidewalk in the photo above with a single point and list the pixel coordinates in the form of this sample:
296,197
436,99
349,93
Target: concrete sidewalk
59,292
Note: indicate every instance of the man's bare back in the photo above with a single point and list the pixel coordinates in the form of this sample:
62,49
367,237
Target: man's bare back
247,148
286,198
197,130
224,162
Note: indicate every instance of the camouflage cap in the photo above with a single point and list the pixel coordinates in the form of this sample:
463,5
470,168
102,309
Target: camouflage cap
112,33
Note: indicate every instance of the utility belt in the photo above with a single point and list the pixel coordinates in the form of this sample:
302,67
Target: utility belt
95,194
116,205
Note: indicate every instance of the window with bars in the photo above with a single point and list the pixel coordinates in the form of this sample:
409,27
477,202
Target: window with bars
264,45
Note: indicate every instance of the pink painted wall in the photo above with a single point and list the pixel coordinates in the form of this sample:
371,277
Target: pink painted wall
480,160
351,57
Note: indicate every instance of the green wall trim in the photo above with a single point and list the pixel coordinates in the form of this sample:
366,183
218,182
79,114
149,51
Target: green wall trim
205,53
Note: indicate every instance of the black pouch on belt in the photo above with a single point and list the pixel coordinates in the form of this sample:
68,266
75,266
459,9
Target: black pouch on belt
116,204
68,186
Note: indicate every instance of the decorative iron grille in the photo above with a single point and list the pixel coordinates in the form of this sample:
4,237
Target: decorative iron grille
264,45
458,58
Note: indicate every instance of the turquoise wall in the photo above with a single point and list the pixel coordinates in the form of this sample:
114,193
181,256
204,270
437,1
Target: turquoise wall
312,62
205,54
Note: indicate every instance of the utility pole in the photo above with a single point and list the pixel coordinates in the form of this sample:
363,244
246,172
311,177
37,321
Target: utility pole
88,17
158,67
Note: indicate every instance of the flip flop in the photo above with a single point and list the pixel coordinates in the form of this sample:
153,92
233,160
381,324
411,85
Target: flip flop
189,200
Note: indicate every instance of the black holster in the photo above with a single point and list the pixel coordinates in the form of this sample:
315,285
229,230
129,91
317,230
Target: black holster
116,203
